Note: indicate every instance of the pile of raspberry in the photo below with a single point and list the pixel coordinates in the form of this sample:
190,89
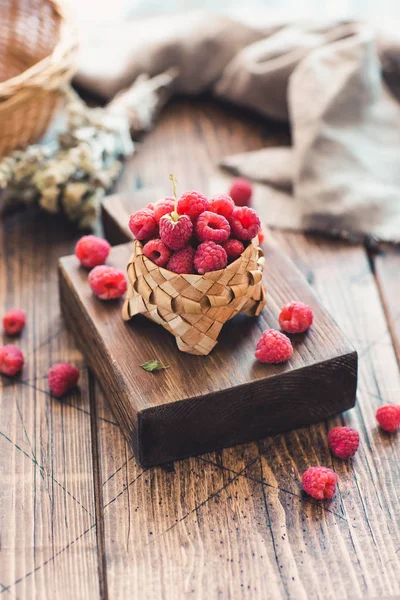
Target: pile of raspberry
194,234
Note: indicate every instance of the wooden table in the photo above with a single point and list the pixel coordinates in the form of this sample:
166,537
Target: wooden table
79,519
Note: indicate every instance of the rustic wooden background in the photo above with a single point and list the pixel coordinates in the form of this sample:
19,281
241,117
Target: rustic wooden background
78,517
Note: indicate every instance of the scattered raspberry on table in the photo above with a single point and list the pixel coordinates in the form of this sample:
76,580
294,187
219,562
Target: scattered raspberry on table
11,360
157,252
273,347
320,482
388,417
343,441
14,321
213,227
241,191
61,378
107,283
295,317
210,257
92,251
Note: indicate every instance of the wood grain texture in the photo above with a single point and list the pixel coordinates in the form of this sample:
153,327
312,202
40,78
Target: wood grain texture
225,398
387,272
235,524
47,521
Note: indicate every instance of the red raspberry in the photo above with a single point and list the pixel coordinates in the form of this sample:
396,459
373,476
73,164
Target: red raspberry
14,321
222,204
192,204
295,317
388,417
210,226
11,360
273,347
157,252
182,261
261,235
150,206
92,250
343,441
210,257
241,192
233,249
320,482
143,224
175,233
61,378
244,222
107,283
163,207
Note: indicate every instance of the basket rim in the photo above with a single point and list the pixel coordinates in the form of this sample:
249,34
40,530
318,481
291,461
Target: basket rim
61,59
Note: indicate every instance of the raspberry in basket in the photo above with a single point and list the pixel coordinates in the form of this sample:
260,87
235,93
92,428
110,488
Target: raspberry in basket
143,224
343,441
175,230
222,204
241,192
163,207
61,378
210,257
388,417
182,261
92,251
320,482
273,347
14,321
213,227
192,204
244,222
157,252
107,283
11,360
295,317
233,249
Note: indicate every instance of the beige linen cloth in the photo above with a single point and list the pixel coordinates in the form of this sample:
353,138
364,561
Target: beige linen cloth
335,83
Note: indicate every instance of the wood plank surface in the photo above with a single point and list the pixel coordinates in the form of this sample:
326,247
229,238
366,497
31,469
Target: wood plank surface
48,543
229,397
235,524
387,272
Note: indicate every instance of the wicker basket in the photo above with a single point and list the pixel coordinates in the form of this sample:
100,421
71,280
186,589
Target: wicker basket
194,307
38,48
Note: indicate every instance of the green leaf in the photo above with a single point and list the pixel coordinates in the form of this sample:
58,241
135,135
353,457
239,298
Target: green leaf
153,365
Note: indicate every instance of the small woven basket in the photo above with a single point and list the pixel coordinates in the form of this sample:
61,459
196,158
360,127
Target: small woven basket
38,47
195,307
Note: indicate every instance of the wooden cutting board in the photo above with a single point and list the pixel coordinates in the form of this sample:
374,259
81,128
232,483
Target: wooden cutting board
202,403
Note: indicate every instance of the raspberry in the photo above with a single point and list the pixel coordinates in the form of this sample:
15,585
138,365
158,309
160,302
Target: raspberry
210,226
241,192
244,223
175,232
11,360
157,252
182,261
192,204
61,378
210,257
233,249
14,321
163,207
273,347
143,224
222,204
92,250
320,482
261,235
343,441
295,317
388,417
107,283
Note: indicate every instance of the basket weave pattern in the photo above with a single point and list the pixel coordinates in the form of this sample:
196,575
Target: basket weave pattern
38,47
195,307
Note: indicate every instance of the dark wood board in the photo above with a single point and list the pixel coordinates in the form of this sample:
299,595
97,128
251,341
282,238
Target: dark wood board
203,403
